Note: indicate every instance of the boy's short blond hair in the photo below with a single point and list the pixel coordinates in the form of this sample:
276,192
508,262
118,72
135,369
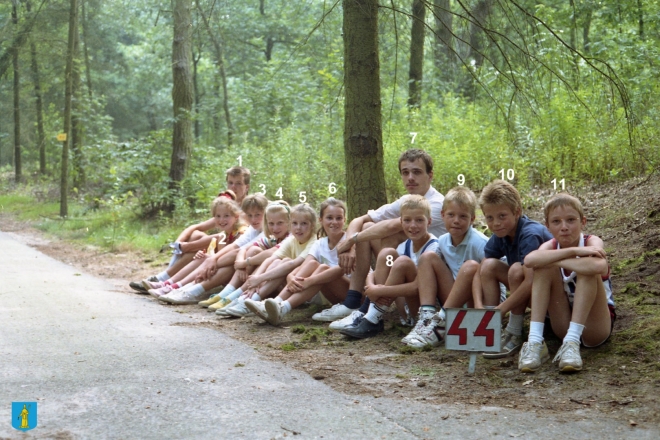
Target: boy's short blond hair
239,171
462,196
254,201
500,192
415,201
562,199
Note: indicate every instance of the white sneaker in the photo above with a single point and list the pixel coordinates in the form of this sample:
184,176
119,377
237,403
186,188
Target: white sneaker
157,293
420,323
430,332
223,311
274,311
334,313
258,308
239,310
149,284
346,321
187,297
569,357
532,356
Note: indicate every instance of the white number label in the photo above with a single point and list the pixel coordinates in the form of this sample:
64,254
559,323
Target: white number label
414,135
263,189
509,174
389,261
562,182
240,160
223,238
461,180
303,196
332,188
279,192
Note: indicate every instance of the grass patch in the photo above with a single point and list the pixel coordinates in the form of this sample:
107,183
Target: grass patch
298,329
314,334
417,371
289,346
407,349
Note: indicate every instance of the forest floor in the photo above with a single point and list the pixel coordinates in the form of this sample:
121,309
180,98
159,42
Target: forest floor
621,379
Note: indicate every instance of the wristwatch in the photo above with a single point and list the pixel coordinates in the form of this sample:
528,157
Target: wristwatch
355,237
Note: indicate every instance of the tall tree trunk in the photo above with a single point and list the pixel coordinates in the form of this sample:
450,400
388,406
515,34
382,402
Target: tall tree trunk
586,28
34,64
18,169
76,126
182,93
363,148
573,30
416,71
68,95
480,13
88,70
444,56
219,59
268,39
640,19
198,128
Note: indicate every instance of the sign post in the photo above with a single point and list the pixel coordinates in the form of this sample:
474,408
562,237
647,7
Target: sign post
473,330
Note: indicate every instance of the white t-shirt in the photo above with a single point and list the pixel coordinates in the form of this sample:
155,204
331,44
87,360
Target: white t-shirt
471,248
406,248
247,237
323,254
393,210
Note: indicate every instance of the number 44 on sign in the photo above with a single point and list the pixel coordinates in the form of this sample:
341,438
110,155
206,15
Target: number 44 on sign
473,330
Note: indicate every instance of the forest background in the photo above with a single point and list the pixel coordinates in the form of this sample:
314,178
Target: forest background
551,95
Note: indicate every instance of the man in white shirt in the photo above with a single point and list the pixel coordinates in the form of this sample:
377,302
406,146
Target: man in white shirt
381,228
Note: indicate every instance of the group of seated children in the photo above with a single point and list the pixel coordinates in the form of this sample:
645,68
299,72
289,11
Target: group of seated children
428,258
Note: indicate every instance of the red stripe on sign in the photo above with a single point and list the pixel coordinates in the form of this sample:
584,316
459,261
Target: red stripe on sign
483,331
455,329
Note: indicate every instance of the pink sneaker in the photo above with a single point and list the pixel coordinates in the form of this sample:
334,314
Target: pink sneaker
157,293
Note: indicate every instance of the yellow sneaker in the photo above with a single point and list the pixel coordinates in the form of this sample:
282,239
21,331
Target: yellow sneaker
220,304
212,300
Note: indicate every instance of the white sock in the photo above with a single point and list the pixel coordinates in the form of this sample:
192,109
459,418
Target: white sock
515,324
574,332
235,294
174,259
256,297
226,291
279,300
536,332
285,307
163,276
196,289
442,314
373,314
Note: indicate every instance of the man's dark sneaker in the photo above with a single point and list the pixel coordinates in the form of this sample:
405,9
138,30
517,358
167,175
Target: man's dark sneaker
138,287
363,329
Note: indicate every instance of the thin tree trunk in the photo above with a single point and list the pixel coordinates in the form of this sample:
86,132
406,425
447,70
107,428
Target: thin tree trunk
573,30
198,128
269,40
88,70
363,148
219,59
68,95
640,19
18,169
416,71
19,39
480,14
444,56
76,126
34,64
182,93
586,28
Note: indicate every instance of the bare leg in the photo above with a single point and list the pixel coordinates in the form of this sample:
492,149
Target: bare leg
461,291
491,273
434,279
180,264
590,309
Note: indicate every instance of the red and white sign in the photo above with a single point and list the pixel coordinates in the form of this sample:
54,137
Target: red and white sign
473,330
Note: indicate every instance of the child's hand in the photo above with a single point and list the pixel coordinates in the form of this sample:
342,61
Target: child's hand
200,255
347,261
372,291
253,281
242,275
590,251
240,265
296,285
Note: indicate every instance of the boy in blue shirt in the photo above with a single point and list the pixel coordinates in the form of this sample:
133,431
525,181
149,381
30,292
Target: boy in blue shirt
514,236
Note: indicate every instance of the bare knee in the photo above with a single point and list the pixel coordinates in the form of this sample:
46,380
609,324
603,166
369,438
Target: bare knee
388,252
516,274
402,263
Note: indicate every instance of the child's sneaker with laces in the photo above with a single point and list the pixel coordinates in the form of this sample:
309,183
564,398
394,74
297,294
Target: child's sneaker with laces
157,293
532,356
348,320
148,284
258,308
509,346
338,311
212,300
431,332
569,357
274,313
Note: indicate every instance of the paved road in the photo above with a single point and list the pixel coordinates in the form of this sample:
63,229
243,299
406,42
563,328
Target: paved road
104,364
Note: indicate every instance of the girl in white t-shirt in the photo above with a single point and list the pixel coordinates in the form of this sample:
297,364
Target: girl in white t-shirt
320,271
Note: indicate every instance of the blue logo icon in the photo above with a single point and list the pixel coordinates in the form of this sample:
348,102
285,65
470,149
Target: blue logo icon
24,415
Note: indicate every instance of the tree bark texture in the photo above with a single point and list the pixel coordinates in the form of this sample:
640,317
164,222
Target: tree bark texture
182,92
444,56
18,169
76,125
34,65
480,13
363,148
85,34
19,39
416,71
68,95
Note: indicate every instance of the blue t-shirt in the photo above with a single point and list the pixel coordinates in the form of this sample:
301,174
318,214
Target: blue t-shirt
530,235
471,248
